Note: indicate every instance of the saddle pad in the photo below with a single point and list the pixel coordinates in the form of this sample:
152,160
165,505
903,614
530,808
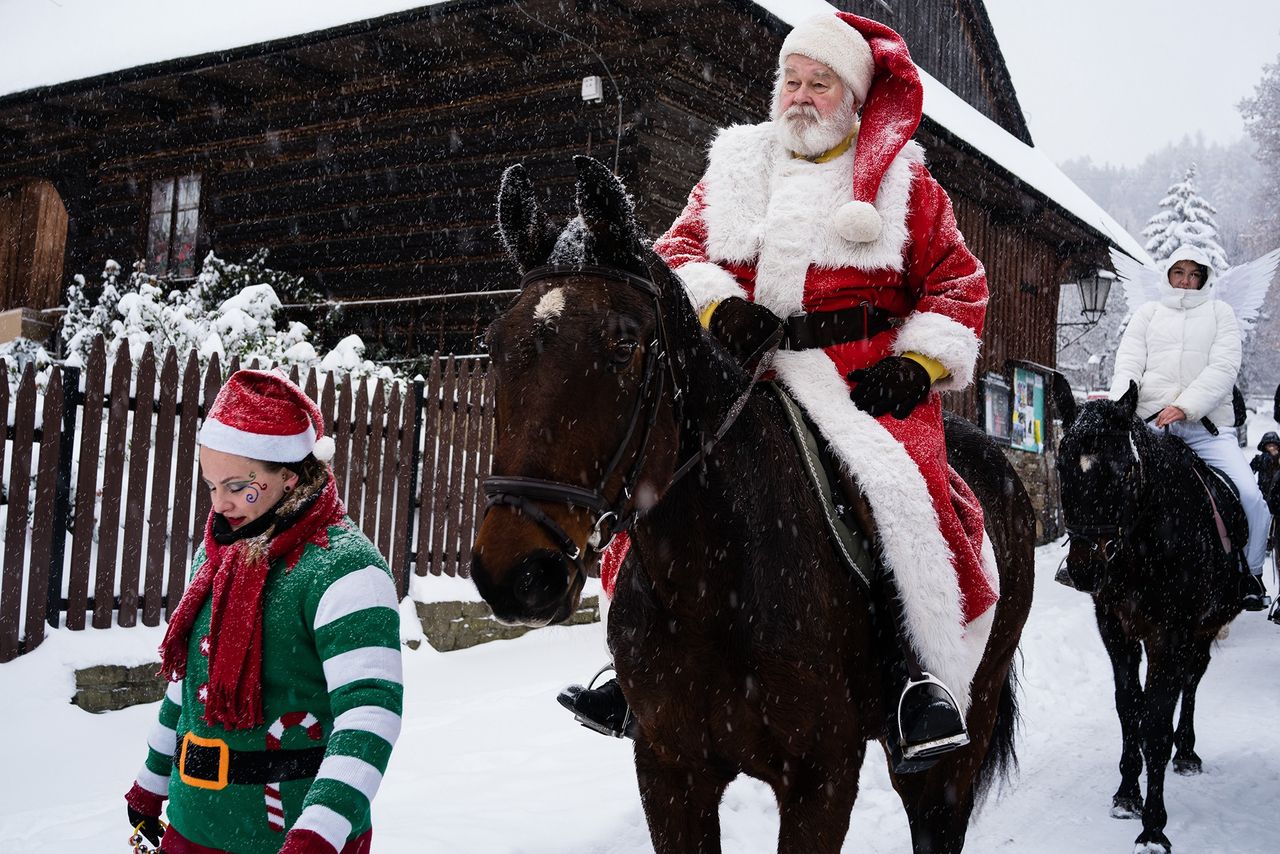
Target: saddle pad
849,543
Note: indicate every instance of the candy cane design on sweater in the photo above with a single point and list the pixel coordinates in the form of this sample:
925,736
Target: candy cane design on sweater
275,733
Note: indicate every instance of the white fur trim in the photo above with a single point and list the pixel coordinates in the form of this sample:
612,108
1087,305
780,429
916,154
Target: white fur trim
324,449
944,340
838,46
707,283
858,221
767,208
910,537
256,446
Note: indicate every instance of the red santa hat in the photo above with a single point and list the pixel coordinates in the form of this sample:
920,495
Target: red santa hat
263,416
873,61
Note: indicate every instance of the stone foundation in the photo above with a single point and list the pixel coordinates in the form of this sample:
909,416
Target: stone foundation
1040,477
447,625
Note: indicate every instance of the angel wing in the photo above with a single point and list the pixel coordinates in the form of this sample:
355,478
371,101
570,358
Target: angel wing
1244,287
1141,283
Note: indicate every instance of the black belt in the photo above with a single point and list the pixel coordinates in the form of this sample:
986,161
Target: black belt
208,763
821,329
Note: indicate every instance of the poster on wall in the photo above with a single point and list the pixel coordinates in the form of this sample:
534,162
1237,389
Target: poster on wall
995,406
1027,427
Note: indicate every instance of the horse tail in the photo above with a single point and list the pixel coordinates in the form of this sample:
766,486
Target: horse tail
1001,760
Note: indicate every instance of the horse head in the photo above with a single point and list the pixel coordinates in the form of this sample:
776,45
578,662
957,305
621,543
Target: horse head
590,364
1102,476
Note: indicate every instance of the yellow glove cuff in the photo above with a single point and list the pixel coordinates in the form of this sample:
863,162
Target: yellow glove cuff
704,316
933,366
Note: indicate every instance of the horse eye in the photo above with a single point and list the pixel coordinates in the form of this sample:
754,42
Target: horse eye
622,351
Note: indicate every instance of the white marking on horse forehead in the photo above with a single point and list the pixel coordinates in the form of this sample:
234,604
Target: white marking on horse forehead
550,305
1087,461
1133,446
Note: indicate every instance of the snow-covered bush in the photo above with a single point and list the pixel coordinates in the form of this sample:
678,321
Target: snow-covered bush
229,310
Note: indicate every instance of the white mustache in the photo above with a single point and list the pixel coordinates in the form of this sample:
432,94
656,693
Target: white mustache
802,113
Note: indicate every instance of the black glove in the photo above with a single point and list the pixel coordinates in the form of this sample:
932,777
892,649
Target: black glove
746,330
148,825
895,385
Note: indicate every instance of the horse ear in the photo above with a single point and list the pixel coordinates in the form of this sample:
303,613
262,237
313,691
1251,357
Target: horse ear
1129,400
607,213
521,222
1064,400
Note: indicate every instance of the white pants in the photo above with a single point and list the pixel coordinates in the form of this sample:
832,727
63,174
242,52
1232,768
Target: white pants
1223,453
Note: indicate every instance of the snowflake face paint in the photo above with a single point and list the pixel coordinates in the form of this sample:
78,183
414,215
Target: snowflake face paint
239,489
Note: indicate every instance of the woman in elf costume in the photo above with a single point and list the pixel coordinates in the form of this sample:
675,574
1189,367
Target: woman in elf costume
283,655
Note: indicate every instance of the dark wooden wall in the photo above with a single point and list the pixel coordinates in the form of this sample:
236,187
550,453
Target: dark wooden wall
33,232
367,158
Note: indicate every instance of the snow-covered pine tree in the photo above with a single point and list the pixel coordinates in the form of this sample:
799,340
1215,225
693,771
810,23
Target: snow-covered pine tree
1261,114
1185,217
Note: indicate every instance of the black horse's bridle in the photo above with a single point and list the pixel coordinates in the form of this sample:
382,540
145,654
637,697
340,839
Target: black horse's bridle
1109,539
612,517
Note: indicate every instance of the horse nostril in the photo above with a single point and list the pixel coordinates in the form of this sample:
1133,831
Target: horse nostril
541,581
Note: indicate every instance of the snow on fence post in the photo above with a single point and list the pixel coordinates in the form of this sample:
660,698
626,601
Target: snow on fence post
161,469
371,427
390,455
134,498
428,405
180,533
86,485
15,547
71,403
4,418
446,467
104,585
406,475
40,601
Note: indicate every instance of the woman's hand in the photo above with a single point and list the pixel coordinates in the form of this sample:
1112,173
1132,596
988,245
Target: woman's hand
1168,415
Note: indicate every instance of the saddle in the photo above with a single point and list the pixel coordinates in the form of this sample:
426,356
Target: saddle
851,542
1224,499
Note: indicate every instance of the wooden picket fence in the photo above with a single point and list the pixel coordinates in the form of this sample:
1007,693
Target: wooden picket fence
107,537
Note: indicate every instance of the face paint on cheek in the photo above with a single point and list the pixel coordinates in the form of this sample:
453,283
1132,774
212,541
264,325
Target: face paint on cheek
250,495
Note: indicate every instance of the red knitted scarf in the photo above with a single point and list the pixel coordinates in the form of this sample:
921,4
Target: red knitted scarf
236,574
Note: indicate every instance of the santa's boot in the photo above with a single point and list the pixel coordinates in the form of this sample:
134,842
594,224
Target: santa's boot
927,724
602,709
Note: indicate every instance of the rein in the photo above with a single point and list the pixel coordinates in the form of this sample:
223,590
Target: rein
611,517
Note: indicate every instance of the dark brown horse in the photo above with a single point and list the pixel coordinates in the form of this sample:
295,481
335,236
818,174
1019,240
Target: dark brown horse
1145,544
742,644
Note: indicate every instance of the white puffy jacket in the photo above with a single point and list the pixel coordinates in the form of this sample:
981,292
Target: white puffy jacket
1182,350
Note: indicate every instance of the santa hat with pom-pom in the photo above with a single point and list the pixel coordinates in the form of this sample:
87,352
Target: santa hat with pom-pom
873,61
263,416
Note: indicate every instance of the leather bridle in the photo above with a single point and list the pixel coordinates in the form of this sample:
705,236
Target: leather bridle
619,514
1109,539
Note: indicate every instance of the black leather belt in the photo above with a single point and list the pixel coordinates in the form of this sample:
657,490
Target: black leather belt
820,329
208,763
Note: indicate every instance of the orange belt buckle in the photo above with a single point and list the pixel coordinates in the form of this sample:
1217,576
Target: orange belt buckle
224,762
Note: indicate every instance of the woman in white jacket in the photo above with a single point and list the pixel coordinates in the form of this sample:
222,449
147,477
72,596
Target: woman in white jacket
1183,351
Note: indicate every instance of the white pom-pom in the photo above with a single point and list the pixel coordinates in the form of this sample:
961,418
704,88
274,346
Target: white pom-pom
323,450
858,222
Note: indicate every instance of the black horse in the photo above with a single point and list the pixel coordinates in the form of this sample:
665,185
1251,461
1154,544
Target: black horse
743,644
1146,545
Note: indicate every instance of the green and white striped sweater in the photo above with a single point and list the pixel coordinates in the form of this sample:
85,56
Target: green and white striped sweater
331,648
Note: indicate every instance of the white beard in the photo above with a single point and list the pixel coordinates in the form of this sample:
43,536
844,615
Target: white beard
805,131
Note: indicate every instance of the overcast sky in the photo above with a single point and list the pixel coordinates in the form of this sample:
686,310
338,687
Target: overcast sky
1118,79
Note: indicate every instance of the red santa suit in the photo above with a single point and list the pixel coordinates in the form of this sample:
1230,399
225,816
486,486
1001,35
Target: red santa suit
772,228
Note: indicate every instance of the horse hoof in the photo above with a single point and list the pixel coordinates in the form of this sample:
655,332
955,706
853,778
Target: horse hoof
1187,767
1152,842
1125,808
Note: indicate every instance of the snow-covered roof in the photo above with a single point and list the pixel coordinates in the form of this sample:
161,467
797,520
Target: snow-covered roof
43,43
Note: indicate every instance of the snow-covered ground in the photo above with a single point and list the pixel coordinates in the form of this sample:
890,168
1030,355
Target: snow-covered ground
489,764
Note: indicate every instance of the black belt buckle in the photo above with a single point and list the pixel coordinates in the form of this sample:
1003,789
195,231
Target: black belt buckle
204,763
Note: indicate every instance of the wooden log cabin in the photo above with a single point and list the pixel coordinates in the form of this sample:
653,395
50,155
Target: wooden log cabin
366,156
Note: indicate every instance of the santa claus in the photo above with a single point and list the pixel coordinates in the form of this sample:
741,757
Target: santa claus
828,217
